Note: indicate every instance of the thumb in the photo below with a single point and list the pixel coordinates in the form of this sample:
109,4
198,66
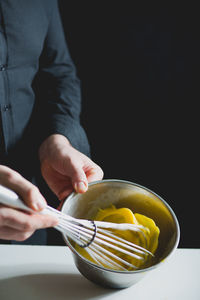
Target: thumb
79,179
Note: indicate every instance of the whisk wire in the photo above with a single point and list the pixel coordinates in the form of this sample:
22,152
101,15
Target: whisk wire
111,254
102,259
100,243
84,235
122,242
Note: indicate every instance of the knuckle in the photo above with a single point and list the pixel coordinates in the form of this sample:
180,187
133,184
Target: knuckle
26,226
11,176
5,217
98,172
8,219
31,192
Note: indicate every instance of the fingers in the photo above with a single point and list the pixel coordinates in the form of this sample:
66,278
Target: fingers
7,233
81,186
84,172
78,176
25,189
24,221
94,174
18,225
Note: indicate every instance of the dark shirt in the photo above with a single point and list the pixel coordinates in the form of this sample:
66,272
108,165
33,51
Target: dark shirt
39,89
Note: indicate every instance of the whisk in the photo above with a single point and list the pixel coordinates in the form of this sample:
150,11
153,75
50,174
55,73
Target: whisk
98,238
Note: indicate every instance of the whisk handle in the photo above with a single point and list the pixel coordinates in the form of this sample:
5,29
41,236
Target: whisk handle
10,198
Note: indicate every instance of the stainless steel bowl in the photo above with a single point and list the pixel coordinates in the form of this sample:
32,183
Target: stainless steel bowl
102,194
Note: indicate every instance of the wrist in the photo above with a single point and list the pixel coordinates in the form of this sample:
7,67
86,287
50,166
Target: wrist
51,145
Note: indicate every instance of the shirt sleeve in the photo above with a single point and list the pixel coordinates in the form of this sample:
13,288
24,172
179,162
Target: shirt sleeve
58,99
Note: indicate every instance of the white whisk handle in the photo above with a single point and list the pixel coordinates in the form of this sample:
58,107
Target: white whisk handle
10,198
66,222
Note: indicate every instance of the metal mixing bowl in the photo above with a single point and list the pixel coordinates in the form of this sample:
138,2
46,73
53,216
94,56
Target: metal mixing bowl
102,194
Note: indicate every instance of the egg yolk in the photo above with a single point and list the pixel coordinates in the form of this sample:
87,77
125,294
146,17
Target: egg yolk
147,237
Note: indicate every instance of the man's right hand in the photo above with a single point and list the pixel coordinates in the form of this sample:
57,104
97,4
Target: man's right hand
17,224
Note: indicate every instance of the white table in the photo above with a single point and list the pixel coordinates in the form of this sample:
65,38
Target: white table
49,273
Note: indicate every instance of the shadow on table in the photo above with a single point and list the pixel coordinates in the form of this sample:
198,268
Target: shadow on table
51,287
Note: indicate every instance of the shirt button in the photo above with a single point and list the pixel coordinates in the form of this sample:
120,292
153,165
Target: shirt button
2,67
7,107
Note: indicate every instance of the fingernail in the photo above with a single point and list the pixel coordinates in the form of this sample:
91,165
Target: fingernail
39,205
80,187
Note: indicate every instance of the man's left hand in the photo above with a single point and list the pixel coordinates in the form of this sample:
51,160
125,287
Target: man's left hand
66,169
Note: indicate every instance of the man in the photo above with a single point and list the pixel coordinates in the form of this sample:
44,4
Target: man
40,108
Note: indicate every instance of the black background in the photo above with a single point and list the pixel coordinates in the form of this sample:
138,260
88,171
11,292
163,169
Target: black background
139,68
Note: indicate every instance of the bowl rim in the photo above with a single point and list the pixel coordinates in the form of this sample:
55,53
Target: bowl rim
134,271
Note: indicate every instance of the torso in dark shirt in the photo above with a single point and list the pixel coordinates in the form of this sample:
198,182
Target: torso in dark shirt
32,42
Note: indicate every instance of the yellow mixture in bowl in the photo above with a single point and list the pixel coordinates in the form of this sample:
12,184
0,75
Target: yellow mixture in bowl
147,237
